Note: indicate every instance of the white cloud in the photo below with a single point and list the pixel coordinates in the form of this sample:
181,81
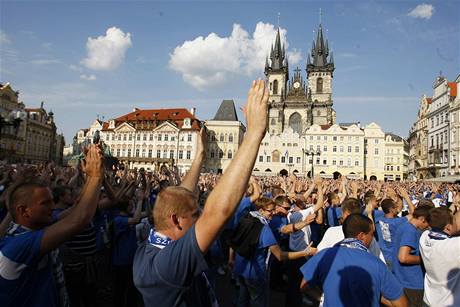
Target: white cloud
47,45
75,68
208,61
45,61
107,52
88,77
422,11
4,39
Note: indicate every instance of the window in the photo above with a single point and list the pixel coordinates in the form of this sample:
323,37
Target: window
118,152
230,138
221,138
143,153
376,141
151,137
124,136
341,148
341,138
295,122
334,138
397,168
158,153
150,153
311,147
130,137
138,137
349,148
166,137
261,158
349,162
173,138
334,148
165,154
325,148
276,156
144,137
137,152
221,154
325,138
334,162
318,148
318,138
291,160
356,163
298,160
317,160
171,154
189,153
129,152
123,153
283,159
189,137
319,85
275,87
230,156
160,137
269,158
181,154
311,137
340,162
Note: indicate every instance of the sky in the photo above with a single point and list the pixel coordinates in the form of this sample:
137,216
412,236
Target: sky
103,58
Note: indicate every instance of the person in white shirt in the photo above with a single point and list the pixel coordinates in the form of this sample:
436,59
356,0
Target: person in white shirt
333,235
440,252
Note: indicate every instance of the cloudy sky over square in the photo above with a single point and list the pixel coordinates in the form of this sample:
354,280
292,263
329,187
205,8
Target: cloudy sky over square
107,57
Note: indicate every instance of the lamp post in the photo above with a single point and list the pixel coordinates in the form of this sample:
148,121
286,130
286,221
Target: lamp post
312,153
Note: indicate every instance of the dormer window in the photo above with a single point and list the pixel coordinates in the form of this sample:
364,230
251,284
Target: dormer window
187,123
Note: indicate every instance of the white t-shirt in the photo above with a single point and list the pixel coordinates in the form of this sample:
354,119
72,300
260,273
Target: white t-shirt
334,235
441,259
299,240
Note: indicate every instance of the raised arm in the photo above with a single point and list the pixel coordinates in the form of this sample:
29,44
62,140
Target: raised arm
191,178
225,197
406,197
83,212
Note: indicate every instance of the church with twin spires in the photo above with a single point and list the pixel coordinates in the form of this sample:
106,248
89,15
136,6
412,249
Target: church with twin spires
295,102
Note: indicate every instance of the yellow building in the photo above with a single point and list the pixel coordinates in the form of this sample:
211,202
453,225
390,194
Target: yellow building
396,158
12,138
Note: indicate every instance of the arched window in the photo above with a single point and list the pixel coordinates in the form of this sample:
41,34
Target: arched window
319,85
221,154
221,139
276,156
229,154
230,138
275,87
212,153
295,122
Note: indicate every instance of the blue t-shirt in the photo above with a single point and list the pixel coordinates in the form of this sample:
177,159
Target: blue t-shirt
276,223
386,229
255,268
172,276
26,277
409,275
350,277
243,208
125,242
333,215
103,224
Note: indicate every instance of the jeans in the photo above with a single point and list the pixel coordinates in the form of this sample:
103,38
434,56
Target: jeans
252,292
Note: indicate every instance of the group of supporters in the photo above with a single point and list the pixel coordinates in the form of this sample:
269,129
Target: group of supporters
90,236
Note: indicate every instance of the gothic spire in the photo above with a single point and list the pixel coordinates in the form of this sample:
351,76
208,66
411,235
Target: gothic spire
321,58
278,53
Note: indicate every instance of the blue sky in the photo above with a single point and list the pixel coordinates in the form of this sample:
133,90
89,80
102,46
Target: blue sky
106,57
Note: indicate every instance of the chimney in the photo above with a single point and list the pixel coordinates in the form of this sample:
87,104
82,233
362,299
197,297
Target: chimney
135,109
193,110
359,124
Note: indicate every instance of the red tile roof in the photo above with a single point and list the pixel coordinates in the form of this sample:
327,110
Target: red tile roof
176,116
453,88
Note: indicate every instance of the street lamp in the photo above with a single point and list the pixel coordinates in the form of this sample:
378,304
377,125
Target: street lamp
12,118
312,153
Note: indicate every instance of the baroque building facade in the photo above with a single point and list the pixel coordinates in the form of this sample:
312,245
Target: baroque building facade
35,140
147,138
418,142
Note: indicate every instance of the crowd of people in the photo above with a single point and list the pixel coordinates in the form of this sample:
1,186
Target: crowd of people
95,236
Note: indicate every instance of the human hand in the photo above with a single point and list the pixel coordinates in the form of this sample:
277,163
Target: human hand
310,251
92,164
201,144
309,218
256,109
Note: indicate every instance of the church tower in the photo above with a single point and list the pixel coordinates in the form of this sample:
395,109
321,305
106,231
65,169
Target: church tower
320,69
277,73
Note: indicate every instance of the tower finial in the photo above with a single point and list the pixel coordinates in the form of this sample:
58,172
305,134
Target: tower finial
320,15
279,15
